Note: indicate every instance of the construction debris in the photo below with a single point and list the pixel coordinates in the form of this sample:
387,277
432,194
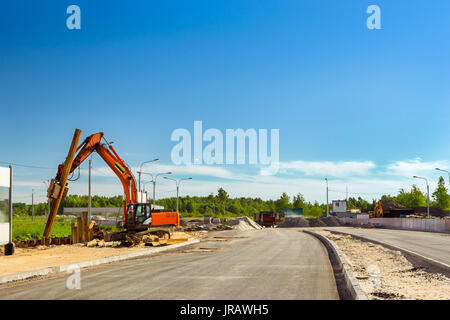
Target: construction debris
297,222
386,274
300,222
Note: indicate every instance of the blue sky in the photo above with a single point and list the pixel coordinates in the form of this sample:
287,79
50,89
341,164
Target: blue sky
367,108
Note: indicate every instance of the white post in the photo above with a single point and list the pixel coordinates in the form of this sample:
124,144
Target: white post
32,204
9,247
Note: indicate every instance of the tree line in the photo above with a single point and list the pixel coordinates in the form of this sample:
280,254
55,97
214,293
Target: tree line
220,204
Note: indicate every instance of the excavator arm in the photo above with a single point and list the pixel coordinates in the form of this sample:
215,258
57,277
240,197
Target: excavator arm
93,143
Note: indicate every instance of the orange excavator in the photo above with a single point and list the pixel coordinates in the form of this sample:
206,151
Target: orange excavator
136,216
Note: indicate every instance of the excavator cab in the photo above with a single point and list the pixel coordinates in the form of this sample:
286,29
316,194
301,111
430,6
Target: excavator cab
138,214
140,217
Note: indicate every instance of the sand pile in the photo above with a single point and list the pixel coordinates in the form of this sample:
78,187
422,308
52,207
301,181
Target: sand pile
244,224
294,223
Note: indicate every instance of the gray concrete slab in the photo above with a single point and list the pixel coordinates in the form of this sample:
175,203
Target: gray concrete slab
262,264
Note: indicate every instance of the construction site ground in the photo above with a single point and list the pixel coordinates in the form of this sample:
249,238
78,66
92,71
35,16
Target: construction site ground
233,264
28,259
387,274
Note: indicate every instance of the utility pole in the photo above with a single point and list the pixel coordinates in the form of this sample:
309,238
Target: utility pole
89,191
32,204
326,179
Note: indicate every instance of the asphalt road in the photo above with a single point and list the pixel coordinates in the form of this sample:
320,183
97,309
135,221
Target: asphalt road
262,264
431,245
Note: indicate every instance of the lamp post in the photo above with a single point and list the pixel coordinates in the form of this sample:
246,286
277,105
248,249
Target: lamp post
177,183
140,171
154,181
428,194
326,180
47,184
448,172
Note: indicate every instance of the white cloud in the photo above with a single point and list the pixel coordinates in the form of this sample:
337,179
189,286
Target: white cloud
329,168
413,167
200,170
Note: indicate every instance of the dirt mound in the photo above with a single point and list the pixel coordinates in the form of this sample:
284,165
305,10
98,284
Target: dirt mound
294,223
389,205
243,224
315,222
331,221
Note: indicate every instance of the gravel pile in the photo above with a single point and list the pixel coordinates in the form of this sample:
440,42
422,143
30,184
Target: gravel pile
331,221
294,223
316,222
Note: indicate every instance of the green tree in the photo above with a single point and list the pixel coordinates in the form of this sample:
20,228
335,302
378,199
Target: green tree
298,201
283,202
440,195
222,197
414,198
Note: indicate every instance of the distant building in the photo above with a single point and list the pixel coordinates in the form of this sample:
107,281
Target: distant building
339,206
289,213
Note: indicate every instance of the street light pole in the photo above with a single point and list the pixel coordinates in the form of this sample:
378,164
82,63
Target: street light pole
47,184
177,183
448,172
140,171
428,194
326,179
32,204
154,182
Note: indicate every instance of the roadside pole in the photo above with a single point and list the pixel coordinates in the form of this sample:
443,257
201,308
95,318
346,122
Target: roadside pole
89,191
9,247
178,188
326,179
32,204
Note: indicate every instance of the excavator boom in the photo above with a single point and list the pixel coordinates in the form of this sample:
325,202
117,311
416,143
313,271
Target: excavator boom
93,143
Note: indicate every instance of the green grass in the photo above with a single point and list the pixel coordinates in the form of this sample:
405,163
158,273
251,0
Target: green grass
25,229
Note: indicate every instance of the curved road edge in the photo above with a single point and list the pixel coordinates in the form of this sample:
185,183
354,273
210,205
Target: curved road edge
351,284
435,265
